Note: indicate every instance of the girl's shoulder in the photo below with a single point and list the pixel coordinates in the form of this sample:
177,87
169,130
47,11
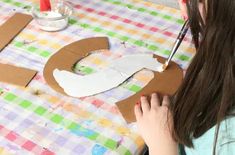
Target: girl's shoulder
228,124
225,143
226,139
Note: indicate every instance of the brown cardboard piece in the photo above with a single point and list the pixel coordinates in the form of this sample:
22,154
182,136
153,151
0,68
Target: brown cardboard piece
164,83
12,27
16,75
67,57
8,31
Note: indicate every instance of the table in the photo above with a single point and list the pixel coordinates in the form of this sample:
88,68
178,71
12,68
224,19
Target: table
38,120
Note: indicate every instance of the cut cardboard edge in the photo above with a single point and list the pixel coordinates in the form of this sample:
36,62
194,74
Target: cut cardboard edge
165,83
69,55
16,75
12,27
8,31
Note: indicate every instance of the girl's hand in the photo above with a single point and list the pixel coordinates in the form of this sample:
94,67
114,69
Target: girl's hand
154,123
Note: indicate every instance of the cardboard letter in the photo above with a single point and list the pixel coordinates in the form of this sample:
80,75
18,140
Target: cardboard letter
166,82
69,55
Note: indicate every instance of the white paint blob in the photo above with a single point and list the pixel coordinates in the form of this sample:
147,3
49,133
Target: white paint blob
118,71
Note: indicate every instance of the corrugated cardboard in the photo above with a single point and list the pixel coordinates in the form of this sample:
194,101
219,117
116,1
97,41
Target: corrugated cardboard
164,83
8,31
13,26
69,55
16,75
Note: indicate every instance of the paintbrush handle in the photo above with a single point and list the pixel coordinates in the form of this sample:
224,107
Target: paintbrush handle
178,41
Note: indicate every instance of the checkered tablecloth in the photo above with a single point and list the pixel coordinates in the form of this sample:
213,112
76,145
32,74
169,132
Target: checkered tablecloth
38,120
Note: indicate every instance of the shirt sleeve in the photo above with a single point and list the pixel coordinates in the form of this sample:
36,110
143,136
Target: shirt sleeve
227,148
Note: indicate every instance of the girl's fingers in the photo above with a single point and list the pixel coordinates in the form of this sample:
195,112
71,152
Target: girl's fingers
138,111
144,104
155,103
166,101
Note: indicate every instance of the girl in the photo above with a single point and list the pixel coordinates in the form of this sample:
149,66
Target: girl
200,118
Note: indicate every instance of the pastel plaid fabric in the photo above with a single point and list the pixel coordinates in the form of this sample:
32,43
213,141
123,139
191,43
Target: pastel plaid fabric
38,120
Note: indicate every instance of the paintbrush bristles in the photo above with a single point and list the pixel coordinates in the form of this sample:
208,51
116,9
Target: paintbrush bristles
164,66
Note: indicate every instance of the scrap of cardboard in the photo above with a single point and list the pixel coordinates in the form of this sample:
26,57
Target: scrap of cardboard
166,82
16,75
12,27
8,31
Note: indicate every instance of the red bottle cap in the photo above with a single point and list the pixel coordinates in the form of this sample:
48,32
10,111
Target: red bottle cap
45,5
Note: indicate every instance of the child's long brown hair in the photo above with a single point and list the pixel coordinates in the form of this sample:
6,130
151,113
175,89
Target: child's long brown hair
207,93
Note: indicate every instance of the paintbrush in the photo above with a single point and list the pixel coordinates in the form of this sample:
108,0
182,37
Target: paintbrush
177,43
